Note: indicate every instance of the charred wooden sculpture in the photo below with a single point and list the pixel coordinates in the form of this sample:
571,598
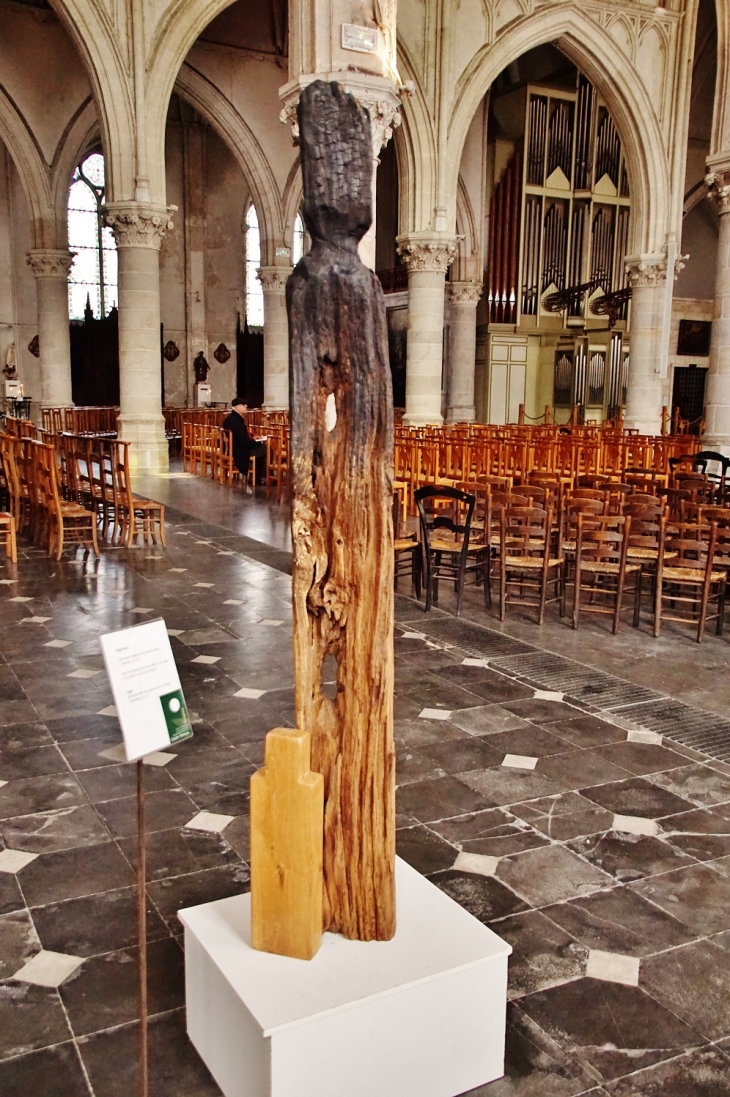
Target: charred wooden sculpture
341,456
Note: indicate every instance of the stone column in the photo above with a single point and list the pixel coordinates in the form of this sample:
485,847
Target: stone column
138,231
463,351
51,268
648,277
427,256
717,394
276,337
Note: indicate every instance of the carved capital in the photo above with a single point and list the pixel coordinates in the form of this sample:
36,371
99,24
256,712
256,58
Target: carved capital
138,226
646,270
376,93
433,251
718,184
465,293
50,262
274,279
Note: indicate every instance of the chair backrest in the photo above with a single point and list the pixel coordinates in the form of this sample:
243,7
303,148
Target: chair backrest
601,540
692,542
444,508
525,532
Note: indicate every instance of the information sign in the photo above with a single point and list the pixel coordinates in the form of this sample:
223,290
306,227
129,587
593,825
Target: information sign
146,687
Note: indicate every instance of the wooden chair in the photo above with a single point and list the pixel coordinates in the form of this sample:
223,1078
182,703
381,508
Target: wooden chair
63,520
526,562
692,579
135,515
7,532
601,568
449,553
407,549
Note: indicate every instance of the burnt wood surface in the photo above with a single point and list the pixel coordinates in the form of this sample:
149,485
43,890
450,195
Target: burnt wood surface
342,479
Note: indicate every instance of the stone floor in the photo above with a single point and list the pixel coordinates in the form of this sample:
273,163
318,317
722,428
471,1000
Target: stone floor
603,860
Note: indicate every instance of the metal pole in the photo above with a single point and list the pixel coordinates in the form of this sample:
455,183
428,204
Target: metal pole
142,933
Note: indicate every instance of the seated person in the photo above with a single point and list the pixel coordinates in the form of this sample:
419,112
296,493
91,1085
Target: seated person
244,446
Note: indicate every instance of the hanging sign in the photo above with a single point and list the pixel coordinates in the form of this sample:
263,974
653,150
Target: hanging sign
146,687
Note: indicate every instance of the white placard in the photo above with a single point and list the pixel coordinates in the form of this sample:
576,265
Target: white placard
146,687
359,39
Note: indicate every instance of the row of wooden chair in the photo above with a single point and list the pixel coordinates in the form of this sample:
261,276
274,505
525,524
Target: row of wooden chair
100,421
605,556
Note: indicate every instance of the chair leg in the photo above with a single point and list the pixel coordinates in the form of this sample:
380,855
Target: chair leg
619,600
576,596
721,608
428,579
460,582
637,596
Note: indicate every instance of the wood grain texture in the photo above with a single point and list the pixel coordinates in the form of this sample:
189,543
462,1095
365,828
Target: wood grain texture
342,479
287,813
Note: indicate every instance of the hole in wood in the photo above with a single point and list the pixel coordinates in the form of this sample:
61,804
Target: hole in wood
330,413
330,668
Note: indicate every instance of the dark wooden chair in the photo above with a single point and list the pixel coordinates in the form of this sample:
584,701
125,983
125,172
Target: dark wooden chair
449,552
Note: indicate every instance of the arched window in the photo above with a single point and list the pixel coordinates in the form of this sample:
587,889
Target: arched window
297,250
93,275
254,292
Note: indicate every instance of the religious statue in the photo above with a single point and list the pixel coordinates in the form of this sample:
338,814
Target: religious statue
10,369
201,367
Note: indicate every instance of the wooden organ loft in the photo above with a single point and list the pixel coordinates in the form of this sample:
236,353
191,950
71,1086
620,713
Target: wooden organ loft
558,234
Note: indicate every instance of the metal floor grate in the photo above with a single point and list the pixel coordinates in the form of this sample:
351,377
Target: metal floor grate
603,691
693,727
620,700
476,639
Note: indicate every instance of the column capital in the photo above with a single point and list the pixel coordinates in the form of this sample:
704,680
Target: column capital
50,262
647,270
274,279
427,251
717,181
138,226
465,293
377,94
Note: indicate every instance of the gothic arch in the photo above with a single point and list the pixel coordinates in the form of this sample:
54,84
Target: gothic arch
223,117
32,169
595,53
101,45
415,145
291,202
467,264
81,133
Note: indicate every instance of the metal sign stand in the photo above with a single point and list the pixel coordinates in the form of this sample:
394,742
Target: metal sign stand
142,932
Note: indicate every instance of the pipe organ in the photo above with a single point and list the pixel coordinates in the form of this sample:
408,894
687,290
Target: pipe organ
559,214
558,236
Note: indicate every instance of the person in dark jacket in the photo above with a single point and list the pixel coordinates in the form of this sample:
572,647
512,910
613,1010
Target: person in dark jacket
244,446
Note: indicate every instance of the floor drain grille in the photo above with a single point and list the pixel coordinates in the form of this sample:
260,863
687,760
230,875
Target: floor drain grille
693,727
469,637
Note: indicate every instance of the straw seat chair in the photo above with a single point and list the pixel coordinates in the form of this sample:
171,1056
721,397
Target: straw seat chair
526,561
449,551
601,568
692,579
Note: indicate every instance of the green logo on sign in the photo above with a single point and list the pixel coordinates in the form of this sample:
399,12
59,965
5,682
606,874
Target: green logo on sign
176,716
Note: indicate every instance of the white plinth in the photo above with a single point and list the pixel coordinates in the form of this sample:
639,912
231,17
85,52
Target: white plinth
422,1015
203,395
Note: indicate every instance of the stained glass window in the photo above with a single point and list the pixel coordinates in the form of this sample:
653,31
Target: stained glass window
93,274
297,250
254,292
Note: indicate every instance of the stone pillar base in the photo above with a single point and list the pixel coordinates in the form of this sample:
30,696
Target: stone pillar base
149,450
461,414
423,420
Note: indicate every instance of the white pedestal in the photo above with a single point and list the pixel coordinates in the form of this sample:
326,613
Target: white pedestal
202,395
422,1015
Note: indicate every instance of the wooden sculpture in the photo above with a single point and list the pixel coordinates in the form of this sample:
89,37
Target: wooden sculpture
287,802
342,478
